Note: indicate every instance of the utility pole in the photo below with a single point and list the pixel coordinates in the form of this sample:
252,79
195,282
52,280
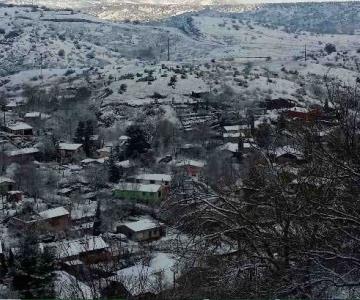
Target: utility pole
168,48
41,65
305,53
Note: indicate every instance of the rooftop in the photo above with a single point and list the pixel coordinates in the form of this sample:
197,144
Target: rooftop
132,187
156,177
75,247
69,146
22,151
235,127
6,180
19,126
194,163
141,225
54,213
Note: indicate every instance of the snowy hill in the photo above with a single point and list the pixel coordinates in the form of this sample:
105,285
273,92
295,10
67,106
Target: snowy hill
126,64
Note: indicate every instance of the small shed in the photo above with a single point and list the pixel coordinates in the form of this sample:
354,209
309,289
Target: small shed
20,128
6,184
142,230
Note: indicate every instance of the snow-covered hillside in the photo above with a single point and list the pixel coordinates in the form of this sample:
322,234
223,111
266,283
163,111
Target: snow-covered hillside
126,64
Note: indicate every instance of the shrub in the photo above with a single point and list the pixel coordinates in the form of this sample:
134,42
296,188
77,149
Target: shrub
330,48
61,53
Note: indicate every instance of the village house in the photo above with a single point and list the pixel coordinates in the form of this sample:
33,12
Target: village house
56,219
19,128
142,192
6,185
69,152
14,105
190,150
93,161
287,154
104,152
142,230
35,116
159,271
2,256
123,140
234,130
88,249
233,148
14,196
233,137
24,222
21,156
52,220
303,114
162,179
191,167
96,142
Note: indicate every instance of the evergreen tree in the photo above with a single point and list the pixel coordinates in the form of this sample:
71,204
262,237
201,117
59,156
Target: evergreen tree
97,223
34,270
88,133
117,153
137,143
114,173
79,134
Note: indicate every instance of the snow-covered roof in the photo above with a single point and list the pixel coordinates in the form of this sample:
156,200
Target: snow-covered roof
124,164
133,277
156,177
94,161
54,213
6,180
235,127
22,151
12,104
232,147
36,114
67,286
280,151
75,247
69,146
141,225
14,192
106,149
19,126
33,114
83,226
124,138
132,187
233,135
194,163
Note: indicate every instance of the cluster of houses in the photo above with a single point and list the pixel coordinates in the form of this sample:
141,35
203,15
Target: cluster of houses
70,230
